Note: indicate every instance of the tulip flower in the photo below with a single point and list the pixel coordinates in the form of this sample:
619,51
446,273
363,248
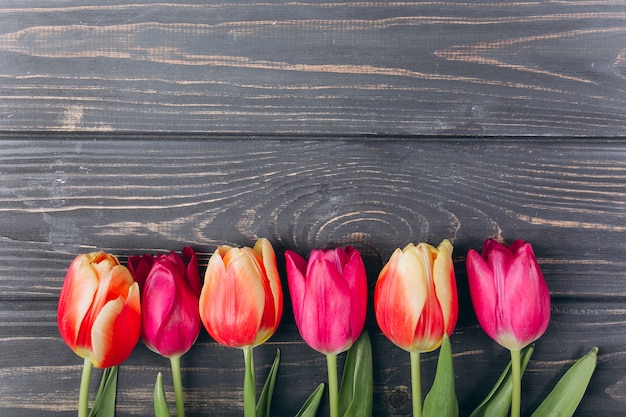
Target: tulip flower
511,299
416,303
329,298
241,302
170,319
99,314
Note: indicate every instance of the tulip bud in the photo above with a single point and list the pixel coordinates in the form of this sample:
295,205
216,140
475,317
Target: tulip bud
99,314
170,288
509,294
241,302
415,299
329,297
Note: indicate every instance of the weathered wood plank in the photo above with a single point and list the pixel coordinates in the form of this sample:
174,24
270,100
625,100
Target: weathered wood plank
401,68
63,197
40,376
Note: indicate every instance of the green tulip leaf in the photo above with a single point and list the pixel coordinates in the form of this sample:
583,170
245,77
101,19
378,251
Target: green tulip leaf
498,402
569,391
441,401
160,403
357,381
265,400
310,406
104,404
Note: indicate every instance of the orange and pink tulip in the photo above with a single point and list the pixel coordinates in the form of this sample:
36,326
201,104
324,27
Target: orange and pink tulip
99,311
241,302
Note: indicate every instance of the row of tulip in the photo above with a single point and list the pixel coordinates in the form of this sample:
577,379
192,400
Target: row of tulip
105,307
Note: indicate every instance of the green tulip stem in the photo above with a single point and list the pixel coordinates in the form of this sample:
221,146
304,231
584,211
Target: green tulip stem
178,386
516,395
333,384
416,384
83,399
249,387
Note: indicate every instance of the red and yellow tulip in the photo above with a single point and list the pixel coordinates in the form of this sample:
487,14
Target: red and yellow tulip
416,303
415,299
99,313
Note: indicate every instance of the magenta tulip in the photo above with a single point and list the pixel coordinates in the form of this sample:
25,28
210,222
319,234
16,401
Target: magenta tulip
509,294
329,297
170,318
511,300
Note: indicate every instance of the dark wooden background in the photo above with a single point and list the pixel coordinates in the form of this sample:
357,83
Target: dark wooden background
144,127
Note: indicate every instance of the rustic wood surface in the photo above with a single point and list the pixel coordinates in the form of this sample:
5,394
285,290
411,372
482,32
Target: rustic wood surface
143,126
71,194
404,68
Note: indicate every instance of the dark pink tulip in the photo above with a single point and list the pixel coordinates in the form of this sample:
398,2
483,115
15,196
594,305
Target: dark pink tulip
509,294
139,267
170,288
329,297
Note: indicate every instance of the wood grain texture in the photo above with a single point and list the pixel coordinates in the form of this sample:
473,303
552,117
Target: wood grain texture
63,194
400,68
40,376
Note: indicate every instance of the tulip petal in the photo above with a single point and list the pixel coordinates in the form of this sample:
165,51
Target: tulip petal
268,323
325,297
528,292
499,261
400,298
77,295
113,283
445,286
296,267
116,330
159,295
355,276
212,278
192,273
265,250
429,330
181,327
483,292
139,267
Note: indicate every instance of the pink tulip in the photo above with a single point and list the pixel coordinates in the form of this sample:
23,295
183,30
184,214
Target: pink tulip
329,297
170,288
509,294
